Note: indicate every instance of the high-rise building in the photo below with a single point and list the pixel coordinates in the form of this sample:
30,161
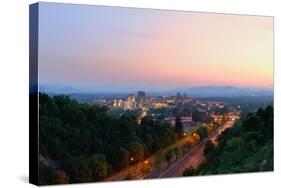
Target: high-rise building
178,95
131,98
141,98
179,98
130,104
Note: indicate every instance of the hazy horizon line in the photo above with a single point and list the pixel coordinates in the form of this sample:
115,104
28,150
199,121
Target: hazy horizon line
77,89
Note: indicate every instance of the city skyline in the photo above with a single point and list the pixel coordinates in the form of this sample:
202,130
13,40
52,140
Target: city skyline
114,48
132,94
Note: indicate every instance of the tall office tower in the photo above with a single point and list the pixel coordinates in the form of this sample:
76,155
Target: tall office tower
141,98
131,97
178,96
130,104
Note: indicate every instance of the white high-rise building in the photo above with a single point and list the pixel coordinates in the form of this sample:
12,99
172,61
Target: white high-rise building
130,104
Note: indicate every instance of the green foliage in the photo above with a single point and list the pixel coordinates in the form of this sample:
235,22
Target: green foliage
83,172
179,126
136,151
203,132
190,171
169,155
88,143
246,147
158,160
120,158
177,151
99,166
209,150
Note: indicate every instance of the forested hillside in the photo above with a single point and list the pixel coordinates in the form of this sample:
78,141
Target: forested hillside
246,147
85,143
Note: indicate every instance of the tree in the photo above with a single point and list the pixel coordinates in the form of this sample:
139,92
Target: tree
169,155
203,132
127,129
158,161
149,142
87,141
82,171
190,171
120,158
252,123
177,152
124,157
209,150
179,126
234,144
99,166
165,134
136,151
245,147
266,115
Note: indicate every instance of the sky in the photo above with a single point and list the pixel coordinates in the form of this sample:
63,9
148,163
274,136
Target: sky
99,48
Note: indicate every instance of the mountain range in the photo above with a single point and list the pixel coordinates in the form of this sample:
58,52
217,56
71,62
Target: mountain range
223,91
197,91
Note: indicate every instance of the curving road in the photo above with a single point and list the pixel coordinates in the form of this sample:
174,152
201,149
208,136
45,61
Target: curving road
191,158
194,157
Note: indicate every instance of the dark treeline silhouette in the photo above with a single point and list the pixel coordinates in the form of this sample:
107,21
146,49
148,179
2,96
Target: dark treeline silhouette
84,143
246,147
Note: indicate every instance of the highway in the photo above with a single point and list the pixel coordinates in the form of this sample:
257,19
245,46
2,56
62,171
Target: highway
193,158
138,174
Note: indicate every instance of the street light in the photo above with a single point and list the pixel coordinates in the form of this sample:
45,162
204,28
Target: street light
132,159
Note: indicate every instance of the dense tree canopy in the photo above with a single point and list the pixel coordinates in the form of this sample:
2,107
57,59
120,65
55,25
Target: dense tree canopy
246,147
87,143
179,126
202,132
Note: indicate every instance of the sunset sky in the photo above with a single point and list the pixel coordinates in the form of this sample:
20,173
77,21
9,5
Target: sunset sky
95,48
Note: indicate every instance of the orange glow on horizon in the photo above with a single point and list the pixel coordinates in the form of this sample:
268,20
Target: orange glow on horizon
169,49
